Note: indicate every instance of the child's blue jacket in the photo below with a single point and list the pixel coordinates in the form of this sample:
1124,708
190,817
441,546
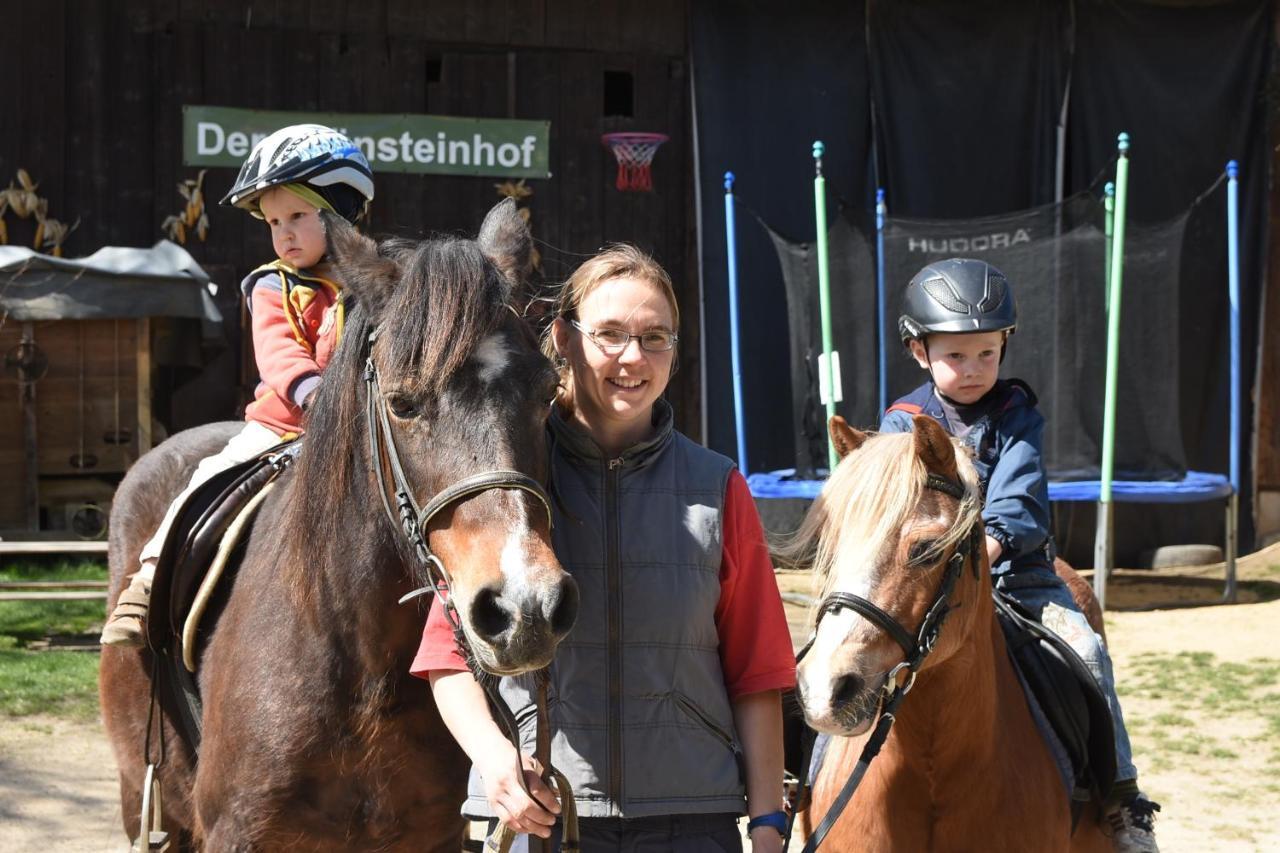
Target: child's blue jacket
1005,439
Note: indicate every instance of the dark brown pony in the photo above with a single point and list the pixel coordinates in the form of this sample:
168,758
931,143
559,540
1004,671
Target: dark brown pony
315,737
964,767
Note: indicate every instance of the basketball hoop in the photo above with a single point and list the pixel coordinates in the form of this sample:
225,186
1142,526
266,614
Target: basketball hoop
634,152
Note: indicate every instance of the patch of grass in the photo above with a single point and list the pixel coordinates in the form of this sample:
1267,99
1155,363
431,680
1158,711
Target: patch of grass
25,621
59,569
1172,720
60,683
1221,752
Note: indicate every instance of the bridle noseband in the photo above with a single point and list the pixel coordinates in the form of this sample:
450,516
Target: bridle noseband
916,648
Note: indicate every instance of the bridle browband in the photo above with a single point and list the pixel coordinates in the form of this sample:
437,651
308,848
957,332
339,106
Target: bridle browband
915,649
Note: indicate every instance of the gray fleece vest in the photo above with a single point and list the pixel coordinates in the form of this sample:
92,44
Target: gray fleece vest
641,722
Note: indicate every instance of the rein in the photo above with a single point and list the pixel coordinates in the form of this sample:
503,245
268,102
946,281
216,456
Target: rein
915,648
413,521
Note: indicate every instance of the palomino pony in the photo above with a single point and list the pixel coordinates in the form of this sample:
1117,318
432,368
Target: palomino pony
897,529
315,736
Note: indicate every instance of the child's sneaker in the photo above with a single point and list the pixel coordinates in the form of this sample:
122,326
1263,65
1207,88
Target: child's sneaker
124,626
1133,825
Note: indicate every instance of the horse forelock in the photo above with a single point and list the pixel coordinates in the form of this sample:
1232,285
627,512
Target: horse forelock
873,493
448,300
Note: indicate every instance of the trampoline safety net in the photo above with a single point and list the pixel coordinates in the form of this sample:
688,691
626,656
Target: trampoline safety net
1055,258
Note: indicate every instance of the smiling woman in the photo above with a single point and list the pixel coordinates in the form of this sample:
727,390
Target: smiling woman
664,697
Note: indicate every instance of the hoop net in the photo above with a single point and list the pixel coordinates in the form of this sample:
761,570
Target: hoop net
634,152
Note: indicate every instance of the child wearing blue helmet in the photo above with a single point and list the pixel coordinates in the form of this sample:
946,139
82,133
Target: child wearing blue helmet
956,320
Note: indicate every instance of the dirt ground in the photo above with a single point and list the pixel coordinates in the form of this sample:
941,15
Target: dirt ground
1218,780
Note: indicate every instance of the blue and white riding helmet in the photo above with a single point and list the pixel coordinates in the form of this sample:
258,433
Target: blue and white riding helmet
319,156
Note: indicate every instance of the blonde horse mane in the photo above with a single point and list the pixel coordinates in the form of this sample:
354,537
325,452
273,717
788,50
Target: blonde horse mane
872,493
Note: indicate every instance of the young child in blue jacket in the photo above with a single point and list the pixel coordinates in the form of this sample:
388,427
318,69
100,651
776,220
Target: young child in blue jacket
956,320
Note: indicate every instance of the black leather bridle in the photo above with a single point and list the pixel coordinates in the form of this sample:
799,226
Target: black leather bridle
407,515
915,648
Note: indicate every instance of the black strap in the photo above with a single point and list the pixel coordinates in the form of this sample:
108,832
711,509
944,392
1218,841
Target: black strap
869,752
840,600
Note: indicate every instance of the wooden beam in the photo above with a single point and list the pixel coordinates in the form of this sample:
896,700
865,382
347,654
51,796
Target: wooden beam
144,386
87,595
30,446
52,547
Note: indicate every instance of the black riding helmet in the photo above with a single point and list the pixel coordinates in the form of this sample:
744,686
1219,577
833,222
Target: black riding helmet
957,296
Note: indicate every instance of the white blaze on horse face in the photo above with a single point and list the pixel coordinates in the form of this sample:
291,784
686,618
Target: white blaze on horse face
493,355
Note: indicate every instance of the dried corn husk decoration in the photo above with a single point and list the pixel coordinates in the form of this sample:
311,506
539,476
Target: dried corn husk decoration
55,234
25,202
193,216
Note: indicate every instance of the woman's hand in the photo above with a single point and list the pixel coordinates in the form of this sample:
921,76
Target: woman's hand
765,839
507,797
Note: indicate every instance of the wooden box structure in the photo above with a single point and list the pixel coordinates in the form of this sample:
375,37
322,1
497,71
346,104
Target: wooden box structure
75,397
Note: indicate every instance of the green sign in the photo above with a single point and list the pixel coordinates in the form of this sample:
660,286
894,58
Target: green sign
422,144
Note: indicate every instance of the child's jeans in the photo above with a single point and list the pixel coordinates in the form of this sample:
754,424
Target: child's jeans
1045,595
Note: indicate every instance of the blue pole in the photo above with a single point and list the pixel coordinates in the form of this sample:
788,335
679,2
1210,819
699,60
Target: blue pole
731,249
1233,290
881,212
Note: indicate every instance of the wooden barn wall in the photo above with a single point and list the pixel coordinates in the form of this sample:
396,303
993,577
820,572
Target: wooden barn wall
93,92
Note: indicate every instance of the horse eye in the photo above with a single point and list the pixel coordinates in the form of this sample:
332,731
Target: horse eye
401,406
922,551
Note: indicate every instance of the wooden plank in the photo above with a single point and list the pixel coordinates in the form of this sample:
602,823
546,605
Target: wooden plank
143,416
9,546
87,595
30,443
51,585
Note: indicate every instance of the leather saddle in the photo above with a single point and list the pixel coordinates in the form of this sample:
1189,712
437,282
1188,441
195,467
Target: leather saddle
1069,696
197,541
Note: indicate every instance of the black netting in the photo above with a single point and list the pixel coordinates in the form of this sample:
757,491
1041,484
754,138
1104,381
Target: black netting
1054,257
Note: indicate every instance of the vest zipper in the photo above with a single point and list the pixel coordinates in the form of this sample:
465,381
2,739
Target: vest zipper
699,716
613,592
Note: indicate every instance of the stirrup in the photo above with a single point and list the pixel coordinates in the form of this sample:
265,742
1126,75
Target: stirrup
157,840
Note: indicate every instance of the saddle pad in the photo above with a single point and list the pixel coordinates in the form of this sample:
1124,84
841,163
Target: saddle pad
1067,694
194,538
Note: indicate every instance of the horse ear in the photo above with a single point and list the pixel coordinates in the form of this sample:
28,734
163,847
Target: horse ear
845,438
505,240
934,447
369,275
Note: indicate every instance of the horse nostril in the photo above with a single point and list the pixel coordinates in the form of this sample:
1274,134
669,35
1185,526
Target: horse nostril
846,689
489,617
561,606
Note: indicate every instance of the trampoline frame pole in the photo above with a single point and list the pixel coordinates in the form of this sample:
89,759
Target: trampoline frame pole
827,377
731,252
882,212
1233,293
1102,548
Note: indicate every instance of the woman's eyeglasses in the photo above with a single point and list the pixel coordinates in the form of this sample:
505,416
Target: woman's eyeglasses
616,340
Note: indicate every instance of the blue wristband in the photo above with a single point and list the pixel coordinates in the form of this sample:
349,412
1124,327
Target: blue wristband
778,820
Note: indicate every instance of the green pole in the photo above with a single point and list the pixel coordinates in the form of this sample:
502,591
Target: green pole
828,376
1102,541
